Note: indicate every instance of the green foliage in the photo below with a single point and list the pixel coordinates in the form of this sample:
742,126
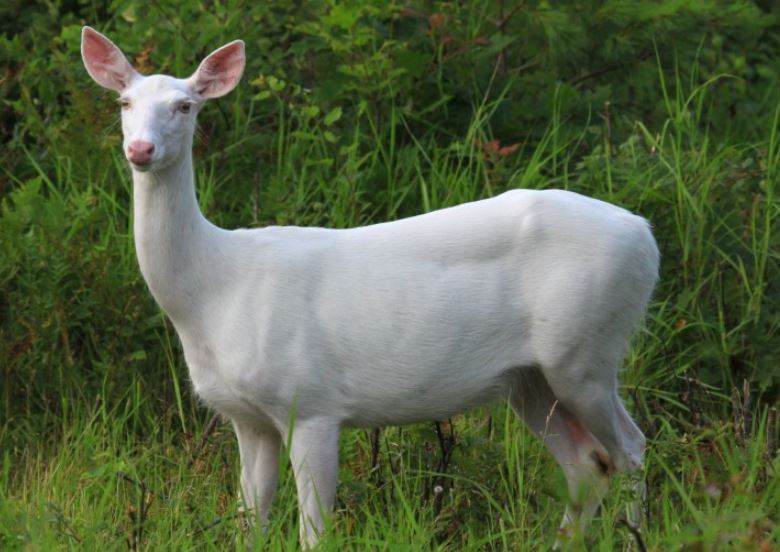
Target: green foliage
358,112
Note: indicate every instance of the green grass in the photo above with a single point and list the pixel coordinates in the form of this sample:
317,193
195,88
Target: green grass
85,488
109,450
82,484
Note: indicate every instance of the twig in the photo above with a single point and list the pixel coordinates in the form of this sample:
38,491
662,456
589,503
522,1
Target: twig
500,23
740,406
210,427
446,445
608,132
769,451
574,81
143,507
63,522
640,544
771,431
746,404
216,522
376,473
689,398
527,65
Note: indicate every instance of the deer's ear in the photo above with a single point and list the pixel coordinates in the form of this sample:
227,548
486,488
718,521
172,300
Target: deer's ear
220,72
105,63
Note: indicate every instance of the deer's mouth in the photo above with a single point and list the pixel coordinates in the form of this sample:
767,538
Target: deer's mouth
146,166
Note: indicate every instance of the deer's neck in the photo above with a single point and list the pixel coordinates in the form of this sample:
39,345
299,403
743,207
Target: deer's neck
175,244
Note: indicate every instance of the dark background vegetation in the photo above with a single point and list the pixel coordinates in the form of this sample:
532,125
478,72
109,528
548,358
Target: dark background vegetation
357,112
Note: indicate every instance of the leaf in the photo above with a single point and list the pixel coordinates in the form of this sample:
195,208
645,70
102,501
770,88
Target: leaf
342,16
304,135
508,150
332,116
277,85
140,354
310,111
327,162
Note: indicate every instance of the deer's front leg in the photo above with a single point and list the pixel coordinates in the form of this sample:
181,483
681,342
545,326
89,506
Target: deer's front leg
314,455
259,449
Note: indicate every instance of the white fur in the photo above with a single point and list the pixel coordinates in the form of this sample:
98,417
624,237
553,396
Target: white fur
530,297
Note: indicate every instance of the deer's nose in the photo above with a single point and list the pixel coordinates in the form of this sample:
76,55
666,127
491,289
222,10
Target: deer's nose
140,152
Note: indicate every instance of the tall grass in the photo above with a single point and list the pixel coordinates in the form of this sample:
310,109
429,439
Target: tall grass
139,464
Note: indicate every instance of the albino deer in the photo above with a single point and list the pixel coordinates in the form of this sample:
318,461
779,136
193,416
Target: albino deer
529,297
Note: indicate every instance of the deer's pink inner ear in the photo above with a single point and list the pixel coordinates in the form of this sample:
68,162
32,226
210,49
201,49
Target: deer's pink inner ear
219,73
105,62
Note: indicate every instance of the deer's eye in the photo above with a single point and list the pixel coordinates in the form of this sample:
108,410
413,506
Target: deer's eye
185,107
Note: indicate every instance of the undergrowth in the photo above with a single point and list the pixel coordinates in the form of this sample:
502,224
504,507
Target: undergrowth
103,444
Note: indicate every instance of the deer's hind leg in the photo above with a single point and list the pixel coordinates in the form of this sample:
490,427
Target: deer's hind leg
585,462
586,386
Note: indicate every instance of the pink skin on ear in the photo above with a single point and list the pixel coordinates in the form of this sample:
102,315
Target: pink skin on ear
219,73
104,61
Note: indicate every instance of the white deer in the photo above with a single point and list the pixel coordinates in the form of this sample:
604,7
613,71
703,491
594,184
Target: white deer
530,297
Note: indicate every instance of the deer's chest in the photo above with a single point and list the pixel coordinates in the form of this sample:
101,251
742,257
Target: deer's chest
222,386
